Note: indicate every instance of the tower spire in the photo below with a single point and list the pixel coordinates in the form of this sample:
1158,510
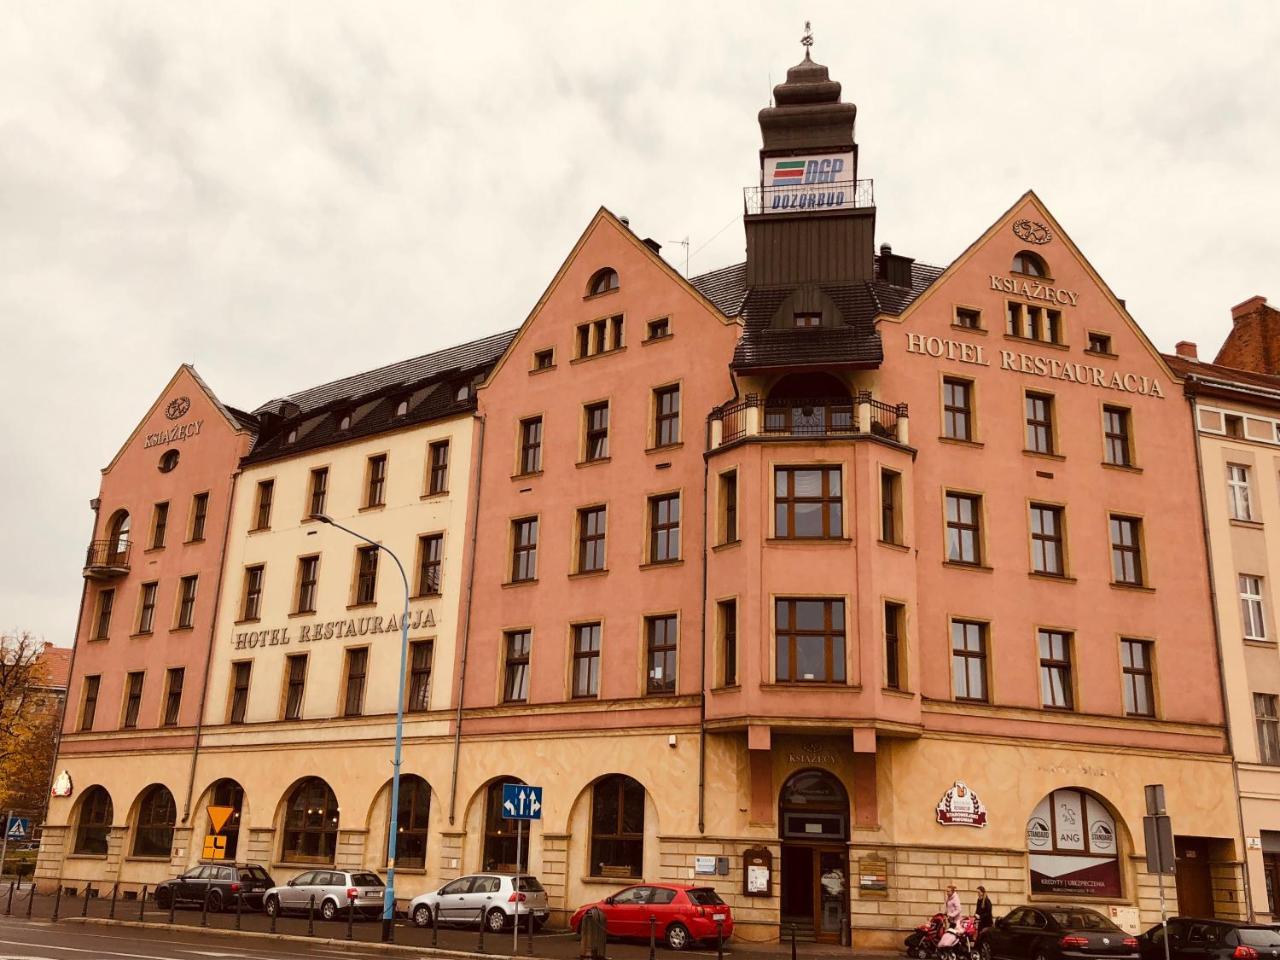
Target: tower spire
807,39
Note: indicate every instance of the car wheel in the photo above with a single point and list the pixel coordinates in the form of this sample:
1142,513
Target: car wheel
677,936
272,907
329,909
422,915
495,920
214,901
164,897
984,951
1040,955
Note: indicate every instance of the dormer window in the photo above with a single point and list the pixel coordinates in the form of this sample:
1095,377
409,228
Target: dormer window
808,321
292,437
402,408
1030,264
345,422
463,393
602,281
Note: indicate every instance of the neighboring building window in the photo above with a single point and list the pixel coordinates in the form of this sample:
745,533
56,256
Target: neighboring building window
173,695
412,817
1239,494
1118,442
1139,685
376,488
810,641
1099,343
531,445
968,318
295,685
366,574
964,531
1055,670
199,513
602,281
439,482
666,416
102,626
94,823
159,525
420,655
157,813
89,704
240,672
729,507
1251,612
544,359
1047,553
1267,717
310,823
357,667
499,834
1039,422
515,687
591,542
893,624
729,640
1030,264
969,660
262,513
251,609
586,660
187,601
1126,550
308,578
659,329
132,700
617,827
661,635
524,549
957,409
890,506
597,424
664,528
319,491
430,562
807,503
147,608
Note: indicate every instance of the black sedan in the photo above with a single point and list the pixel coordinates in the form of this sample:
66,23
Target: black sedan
1192,939
217,885
1056,933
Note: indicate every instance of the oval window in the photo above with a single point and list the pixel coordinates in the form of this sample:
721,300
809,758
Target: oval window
168,460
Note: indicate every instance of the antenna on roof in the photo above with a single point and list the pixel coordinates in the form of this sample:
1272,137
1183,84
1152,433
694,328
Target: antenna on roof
684,243
807,39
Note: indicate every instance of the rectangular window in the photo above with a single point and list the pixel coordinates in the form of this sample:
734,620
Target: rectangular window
809,641
187,601
1239,493
199,513
102,624
295,685
524,549
893,627
1055,670
968,318
1029,322
666,416
1039,422
366,574
1251,611
430,564
729,507
600,336
1267,717
544,359
132,700
1126,550
1099,343
659,329
173,695
1015,319
1047,553
615,332
515,685
308,577
586,659
957,409
240,672
964,531
438,453
591,533
318,495
262,512
969,660
420,656
729,640
159,524
251,607
1115,431
890,506
807,321
597,426
1234,425
664,528
661,636
89,703
376,481
357,665
147,608
807,503
531,445
1139,687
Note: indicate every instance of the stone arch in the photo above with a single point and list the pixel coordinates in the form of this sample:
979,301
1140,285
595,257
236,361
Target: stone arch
601,829
418,810
307,822
92,820
1076,843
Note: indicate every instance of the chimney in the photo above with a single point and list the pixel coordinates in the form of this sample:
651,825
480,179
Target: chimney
652,244
1186,350
1254,341
895,269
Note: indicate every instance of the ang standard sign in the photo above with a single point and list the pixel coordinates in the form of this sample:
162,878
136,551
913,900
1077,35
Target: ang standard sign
960,807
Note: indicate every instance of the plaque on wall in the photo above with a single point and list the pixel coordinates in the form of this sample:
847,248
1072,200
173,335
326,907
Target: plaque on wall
873,876
757,872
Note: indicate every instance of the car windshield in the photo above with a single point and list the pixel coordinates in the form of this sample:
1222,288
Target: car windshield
254,872
366,880
528,884
704,897
1081,920
1258,937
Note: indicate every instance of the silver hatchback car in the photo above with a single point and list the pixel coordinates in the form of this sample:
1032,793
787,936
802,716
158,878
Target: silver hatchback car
491,898
333,890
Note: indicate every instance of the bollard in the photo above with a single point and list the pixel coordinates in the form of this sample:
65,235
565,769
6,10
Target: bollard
480,948
274,914
57,903
84,907
719,940
31,897
653,936
529,942
8,908
115,889
435,926
793,942
142,904
351,912
204,904
173,903
239,901
311,916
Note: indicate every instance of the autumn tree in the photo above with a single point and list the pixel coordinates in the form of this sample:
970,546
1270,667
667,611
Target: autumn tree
29,712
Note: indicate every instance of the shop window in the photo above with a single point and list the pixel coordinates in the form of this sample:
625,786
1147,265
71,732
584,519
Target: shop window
153,833
228,793
94,822
617,827
1073,847
499,833
310,823
412,816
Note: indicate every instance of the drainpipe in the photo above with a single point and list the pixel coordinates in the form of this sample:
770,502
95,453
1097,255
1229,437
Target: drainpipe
466,628
1217,634
702,669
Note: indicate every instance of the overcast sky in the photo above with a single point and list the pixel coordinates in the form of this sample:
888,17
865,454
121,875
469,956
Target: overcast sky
285,193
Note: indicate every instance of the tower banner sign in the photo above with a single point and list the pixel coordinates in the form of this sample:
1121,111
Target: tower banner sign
817,182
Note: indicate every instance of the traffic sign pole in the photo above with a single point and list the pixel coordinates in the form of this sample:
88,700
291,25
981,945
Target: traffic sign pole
4,844
515,926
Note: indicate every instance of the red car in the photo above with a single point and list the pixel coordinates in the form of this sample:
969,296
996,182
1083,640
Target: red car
683,914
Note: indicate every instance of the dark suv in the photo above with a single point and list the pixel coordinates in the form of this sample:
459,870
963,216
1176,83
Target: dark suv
217,884
1192,939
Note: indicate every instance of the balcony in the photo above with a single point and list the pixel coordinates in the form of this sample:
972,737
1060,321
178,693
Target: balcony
809,197
802,419
107,559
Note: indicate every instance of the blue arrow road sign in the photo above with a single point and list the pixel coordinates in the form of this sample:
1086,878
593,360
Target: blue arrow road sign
521,802
19,828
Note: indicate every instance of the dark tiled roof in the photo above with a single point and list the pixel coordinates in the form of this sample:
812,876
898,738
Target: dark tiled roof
726,288
1212,374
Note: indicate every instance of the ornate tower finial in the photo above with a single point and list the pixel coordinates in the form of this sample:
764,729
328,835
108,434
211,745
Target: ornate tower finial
807,39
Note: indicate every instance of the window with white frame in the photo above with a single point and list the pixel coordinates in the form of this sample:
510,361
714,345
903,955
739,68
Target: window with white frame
1239,495
1255,627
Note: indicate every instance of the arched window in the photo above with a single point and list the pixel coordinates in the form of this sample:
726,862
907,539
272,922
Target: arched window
157,813
94,822
411,822
1073,846
602,281
499,832
1032,264
617,827
118,532
813,805
345,422
310,823
228,793
402,408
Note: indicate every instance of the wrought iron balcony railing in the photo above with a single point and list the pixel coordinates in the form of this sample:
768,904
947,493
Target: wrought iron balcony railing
106,559
808,417
798,197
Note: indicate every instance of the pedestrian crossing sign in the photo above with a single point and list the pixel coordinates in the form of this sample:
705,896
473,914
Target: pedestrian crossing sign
19,828
215,847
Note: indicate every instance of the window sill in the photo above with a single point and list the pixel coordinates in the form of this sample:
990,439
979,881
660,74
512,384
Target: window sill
438,495
98,639
534,372
727,688
1139,587
1041,455
662,339
427,596
527,476
897,692
603,293
1050,577
136,858
182,628
807,541
196,540
978,330
301,613
302,864
892,545
1247,524
976,567
665,447
362,606
1040,343
588,574
371,507
1122,467
728,544
961,442
142,633
592,463
86,856
830,685
150,550
254,530
596,356
247,620
1255,642
608,881
659,564
519,583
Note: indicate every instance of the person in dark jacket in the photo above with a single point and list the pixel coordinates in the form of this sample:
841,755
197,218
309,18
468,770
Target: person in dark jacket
982,909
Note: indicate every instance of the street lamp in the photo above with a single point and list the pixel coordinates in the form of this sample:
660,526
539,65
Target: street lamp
389,898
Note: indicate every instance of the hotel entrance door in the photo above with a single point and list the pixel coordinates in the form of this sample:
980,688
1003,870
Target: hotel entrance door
813,819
